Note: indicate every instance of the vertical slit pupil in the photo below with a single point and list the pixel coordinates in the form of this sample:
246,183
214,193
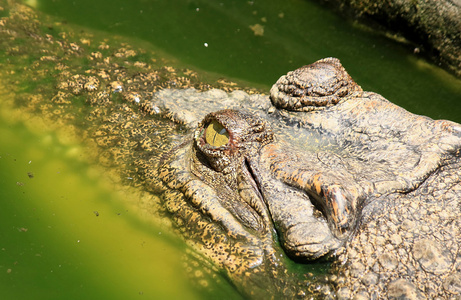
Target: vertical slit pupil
216,135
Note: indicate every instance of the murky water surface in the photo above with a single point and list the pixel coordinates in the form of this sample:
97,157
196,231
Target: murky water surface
260,40
69,232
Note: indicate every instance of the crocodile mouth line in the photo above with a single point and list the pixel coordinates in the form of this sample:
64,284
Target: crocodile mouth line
255,183
254,179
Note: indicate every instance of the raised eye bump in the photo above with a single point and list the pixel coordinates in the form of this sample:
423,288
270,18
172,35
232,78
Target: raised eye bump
216,135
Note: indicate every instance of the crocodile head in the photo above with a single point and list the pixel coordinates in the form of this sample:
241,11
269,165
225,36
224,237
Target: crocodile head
298,167
240,174
264,183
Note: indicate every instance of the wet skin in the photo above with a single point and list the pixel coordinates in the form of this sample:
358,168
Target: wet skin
320,166
307,165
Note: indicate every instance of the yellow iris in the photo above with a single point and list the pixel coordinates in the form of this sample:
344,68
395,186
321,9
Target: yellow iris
216,135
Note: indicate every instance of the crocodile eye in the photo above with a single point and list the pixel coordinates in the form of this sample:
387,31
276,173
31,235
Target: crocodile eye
216,135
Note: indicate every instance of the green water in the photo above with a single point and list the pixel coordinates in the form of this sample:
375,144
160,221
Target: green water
69,233
296,32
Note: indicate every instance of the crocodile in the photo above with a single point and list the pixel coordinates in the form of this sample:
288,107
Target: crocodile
333,170
319,170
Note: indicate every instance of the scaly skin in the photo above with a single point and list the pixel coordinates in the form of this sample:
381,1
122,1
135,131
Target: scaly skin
312,87
356,178
360,153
